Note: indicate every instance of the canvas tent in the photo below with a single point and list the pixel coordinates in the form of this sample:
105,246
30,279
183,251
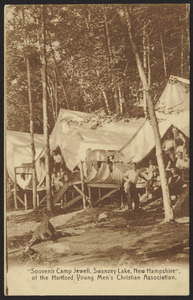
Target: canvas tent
18,152
77,140
73,134
176,96
175,101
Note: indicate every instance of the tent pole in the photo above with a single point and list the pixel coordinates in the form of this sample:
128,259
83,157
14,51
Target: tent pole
89,194
122,197
15,189
82,184
25,200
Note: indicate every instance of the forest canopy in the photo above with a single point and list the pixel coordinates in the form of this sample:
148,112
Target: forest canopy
90,62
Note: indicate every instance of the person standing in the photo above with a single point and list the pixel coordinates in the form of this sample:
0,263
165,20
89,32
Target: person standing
131,178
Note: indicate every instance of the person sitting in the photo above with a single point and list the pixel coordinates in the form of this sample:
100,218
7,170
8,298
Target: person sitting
151,177
171,163
180,141
64,176
53,176
186,161
57,160
175,182
58,180
182,162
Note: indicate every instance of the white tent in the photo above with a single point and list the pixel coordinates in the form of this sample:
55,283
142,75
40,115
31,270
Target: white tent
175,101
74,135
18,152
176,96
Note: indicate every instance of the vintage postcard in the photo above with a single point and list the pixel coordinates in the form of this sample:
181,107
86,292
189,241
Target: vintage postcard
97,130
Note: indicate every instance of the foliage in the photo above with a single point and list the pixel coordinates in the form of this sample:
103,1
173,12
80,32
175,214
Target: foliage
89,55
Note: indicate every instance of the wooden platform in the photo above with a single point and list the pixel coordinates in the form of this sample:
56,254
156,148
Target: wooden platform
77,186
25,201
102,185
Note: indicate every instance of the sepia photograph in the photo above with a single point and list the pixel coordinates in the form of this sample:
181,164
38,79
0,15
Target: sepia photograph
97,152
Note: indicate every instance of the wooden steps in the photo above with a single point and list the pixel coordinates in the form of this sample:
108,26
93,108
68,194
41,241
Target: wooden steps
61,193
71,202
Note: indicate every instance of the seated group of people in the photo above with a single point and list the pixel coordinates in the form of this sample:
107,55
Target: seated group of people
175,159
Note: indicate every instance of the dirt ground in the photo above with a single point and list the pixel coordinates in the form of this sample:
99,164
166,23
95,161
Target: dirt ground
122,238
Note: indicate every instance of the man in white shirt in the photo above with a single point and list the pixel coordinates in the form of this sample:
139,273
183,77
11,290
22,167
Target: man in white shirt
131,178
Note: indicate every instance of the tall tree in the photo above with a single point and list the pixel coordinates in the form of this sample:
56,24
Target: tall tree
110,54
45,109
165,190
31,114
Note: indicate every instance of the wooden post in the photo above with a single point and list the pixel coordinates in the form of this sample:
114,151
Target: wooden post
89,194
25,200
82,185
38,199
122,199
65,198
15,189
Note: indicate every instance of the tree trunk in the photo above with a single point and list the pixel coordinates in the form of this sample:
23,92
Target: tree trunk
148,63
58,72
120,101
45,112
50,93
108,39
145,67
106,102
56,96
116,97
182,53
144,51
34,178
105,98
188,38
165,190
163,56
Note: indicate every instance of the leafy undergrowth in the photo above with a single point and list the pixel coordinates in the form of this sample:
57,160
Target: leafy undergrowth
120,238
